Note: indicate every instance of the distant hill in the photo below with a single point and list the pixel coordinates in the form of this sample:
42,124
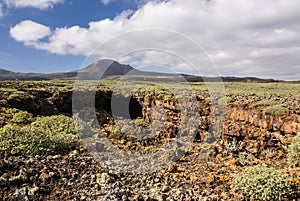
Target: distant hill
10,75
229,79
4,72
115,70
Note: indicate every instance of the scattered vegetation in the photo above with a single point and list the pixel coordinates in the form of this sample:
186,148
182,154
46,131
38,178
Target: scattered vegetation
264,103
152,89
223,100
293,153
262,89
262,183
275,110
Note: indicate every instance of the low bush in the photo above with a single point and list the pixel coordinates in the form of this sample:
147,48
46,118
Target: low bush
275,110
12,110
209,99
245,158
262,183
167,97
125,129
139,122
19,95
63,125
293,153
22,117
59,124
264,103
220,101
30,141
47,135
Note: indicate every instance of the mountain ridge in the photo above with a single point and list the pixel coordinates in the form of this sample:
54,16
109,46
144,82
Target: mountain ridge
108,69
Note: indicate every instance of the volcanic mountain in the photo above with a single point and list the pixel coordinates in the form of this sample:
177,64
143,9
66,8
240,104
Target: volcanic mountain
98,70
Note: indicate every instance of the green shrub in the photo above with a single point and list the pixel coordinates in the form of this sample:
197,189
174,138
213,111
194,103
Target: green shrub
167,97
298,119
3,102
209,99
139,122
18,95
245,158
229,99
11,128
275,110
114,129
59,124
22,117
31,141
179,97
225,100
262,183
293,153
45,136
125,129
12,110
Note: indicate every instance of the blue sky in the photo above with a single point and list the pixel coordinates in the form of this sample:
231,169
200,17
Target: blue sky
58,35
18,57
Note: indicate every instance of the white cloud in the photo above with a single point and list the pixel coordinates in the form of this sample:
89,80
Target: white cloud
271,52
29,32
105,2
155,58
1,10
138,3
220,55
40,4
238,35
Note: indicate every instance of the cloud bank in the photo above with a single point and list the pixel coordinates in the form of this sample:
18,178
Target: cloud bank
245,38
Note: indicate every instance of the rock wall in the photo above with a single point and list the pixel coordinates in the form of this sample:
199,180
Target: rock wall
256,131
244,125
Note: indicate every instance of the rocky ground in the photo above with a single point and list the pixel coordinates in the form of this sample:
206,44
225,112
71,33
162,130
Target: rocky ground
78,176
